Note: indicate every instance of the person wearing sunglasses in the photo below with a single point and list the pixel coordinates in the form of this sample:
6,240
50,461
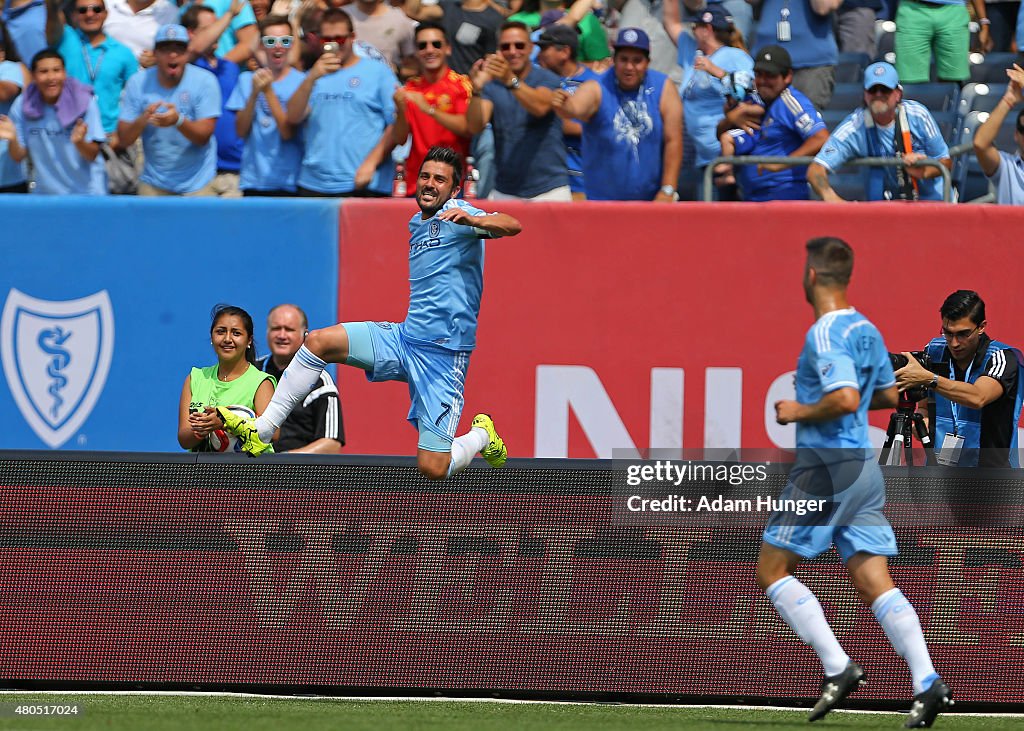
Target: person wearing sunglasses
91,56
344,98
976,383
1004,168
432,106
514,96
471,25
885,125
273,152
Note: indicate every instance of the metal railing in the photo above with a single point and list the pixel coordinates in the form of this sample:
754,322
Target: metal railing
890,162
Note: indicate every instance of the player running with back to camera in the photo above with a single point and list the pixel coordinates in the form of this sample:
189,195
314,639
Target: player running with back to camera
430,350
843,371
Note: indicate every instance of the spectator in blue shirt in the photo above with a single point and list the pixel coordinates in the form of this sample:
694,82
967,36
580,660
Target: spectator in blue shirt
559,45
174,106
12,79
229,144
26,25
1005,169
877,130
91,56
805,28
514,96
707,73
57,122
347,107
632,126
238,38
788,125
273,151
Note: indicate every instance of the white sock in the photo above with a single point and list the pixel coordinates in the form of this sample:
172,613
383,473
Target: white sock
464,448
903,628
296,382
800,609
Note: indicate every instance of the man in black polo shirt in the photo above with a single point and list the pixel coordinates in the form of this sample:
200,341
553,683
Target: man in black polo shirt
315,425
976,385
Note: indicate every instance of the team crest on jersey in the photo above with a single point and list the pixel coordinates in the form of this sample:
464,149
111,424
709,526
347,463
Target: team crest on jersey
56,356
354,82
435,228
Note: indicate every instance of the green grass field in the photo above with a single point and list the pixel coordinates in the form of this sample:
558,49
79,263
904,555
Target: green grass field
145,712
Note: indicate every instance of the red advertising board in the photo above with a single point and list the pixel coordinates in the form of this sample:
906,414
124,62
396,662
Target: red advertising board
617,326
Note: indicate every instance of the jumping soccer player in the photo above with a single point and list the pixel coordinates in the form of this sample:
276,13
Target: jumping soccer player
843,371
431,349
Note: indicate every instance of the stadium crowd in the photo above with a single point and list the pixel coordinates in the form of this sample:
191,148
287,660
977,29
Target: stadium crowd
543,99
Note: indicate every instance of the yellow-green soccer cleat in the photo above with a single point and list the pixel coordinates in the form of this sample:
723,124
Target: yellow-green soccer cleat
245,430
494,453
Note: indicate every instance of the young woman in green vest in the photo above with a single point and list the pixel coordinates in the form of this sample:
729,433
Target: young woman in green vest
233,382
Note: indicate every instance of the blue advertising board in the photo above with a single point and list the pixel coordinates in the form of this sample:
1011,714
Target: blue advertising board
106,305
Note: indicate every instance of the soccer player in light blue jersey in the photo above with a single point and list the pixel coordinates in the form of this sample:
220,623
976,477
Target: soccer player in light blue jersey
843,371
431,348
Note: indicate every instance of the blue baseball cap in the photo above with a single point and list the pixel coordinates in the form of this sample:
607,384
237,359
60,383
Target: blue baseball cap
171,33
714,15
633,38
881,73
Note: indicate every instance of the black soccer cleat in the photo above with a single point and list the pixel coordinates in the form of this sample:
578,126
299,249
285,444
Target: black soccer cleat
928,704
835,688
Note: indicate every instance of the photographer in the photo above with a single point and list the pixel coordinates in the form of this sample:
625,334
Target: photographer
977,406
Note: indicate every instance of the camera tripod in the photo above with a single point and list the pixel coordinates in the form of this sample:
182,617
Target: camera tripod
904,422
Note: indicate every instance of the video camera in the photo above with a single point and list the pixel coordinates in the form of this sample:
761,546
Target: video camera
899,360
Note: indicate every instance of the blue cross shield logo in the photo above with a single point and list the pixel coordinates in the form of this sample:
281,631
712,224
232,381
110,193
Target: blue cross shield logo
56,356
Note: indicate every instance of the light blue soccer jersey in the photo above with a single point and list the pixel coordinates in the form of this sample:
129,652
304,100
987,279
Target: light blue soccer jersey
446,280
842,349
704,100
268,161
59,168
171,161
859,136
348,112
11,173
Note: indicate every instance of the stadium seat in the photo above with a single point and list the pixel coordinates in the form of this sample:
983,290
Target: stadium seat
847,97
885,38
978,97
992,68
832,117
939,96
849,184
973,186
970,182
850,68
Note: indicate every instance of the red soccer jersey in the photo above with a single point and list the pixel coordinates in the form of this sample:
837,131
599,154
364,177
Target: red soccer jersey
450,94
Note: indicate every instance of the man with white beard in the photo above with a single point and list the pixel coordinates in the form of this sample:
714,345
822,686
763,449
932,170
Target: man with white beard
886,126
